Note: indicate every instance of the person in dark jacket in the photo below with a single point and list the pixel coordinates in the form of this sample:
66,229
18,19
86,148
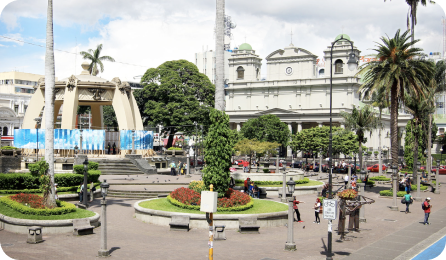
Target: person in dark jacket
114,148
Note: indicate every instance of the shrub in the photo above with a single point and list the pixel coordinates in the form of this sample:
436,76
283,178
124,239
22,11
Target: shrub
7,147
62,207
197,186
186,196
305,180
175,148
38,168
219,209
34,201
414,187
21,181
389,193
379,178
347,194
369,182
79,168
265,170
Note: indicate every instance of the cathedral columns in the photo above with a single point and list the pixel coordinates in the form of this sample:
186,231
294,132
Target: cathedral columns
342,125
35,106
299,127
319,124
238,127
71,102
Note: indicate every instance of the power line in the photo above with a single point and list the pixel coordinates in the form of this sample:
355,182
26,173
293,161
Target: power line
43,46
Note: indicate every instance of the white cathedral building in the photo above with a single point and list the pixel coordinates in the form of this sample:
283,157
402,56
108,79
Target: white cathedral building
297,90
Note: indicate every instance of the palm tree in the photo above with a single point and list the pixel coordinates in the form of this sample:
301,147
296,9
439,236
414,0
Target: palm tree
219,56
95,57
381,101
413,4
398,70
50,200
361,120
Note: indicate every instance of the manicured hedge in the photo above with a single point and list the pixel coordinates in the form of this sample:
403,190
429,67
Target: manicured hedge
389,193
305,180
197,207
379,178
21,181
59,189
62,208
79,168
369,182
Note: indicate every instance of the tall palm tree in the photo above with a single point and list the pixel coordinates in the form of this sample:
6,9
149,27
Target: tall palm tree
219,56
50,201
381,101
96,59
398,69
412,14
361,121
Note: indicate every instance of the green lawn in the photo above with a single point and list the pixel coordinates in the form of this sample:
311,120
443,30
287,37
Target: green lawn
260,206
79,213
310,183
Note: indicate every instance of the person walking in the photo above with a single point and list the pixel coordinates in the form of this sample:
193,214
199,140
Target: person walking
427,210
55,189
108,148
172,168
180,168
246,185
80,191
408,184
346,181
408,198
231,183
114,148
317,208
296,209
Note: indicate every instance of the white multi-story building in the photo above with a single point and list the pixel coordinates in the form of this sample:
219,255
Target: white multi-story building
205,62
16,89
297,89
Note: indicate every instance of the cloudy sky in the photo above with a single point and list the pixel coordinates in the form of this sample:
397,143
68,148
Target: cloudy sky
143,34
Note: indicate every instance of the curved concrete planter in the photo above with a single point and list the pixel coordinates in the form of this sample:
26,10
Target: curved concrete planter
257,176
163,218
20,226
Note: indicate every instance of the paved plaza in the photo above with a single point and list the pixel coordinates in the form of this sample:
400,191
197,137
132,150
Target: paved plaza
386,234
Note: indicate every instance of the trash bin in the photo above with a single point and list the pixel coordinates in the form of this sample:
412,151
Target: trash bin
34,235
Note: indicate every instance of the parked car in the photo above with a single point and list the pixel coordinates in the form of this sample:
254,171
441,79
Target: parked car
297,165
375,168
441,171
200,162
238,162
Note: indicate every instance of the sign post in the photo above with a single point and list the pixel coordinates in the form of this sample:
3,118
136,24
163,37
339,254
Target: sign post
330,209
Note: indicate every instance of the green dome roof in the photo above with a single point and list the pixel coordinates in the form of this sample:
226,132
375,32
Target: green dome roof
345,36
245,46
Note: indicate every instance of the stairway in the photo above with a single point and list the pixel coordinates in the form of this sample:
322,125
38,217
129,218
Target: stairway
118,167
136,194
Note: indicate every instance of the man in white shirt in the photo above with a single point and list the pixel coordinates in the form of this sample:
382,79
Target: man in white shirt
346,180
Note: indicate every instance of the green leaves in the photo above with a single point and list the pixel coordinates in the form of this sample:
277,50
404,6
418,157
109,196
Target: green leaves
218,152
267,128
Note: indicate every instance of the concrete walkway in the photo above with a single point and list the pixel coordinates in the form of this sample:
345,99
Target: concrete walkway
386,235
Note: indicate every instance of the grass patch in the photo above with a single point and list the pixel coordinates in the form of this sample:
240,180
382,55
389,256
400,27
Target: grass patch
260,206
79,213
310,183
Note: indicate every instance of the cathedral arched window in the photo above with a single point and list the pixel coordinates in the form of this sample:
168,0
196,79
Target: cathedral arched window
5,131
257,73
321,72
338,66
240,73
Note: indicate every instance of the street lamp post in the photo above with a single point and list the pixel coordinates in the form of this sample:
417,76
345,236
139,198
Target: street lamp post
395,186
290,245
81,137
441,156
38,120
418,198
437,191
352,65
195,148
103,251
84,191
361,186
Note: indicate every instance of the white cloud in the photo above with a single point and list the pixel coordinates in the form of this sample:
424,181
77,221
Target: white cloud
12,37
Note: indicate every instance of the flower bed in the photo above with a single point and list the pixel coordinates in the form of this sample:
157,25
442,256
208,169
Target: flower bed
19,203
348,194
190,199
197,186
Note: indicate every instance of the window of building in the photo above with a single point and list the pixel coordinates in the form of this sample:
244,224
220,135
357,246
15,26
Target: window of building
440,104
25,107
441,130
321,72
338,66
16,108
240,73
5,131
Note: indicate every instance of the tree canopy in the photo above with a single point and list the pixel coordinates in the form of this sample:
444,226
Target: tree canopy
176,95
267,128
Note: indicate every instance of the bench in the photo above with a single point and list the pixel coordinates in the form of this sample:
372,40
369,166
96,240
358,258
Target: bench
220,233
179,223
82,227
248,225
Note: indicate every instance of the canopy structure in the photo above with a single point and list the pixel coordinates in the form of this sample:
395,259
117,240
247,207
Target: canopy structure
86,90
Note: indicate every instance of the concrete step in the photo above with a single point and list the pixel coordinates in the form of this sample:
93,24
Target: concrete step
115,163
132,197
118,168
121,172
139,191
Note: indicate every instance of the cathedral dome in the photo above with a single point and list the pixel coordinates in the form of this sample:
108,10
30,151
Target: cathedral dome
245,46
345,36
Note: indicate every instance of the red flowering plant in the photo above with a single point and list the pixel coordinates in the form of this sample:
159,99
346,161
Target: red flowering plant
30,200
348,194
186,196
232,198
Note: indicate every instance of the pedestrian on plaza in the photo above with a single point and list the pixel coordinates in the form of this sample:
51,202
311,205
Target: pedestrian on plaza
92,190
324,190
427,210
180,168
295,202
80,191
354,177
408,184
231,183
346,180
246,166
317,207
108,148
114,148
172,168
55,189
408,200
256,192
247,183
354,184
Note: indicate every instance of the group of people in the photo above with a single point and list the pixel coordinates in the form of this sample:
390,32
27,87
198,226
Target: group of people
80,191
181,167
425,206
110,147
317,210
251,189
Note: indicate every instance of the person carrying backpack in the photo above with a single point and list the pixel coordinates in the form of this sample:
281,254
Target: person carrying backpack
427,210
408,200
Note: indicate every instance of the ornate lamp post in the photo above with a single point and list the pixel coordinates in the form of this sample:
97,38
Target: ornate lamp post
290,245
76,149
352,65
395,186
103,251
441,156
418,198
38,120
361,187
437,191
84,199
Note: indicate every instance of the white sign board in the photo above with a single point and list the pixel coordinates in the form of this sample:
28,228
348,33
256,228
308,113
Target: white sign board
208,201
330,209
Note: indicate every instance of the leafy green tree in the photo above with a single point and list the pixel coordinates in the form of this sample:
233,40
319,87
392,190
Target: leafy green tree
267,128
411,143
398,69
218,152
95,58
176,95
361,120
110,117
255,148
